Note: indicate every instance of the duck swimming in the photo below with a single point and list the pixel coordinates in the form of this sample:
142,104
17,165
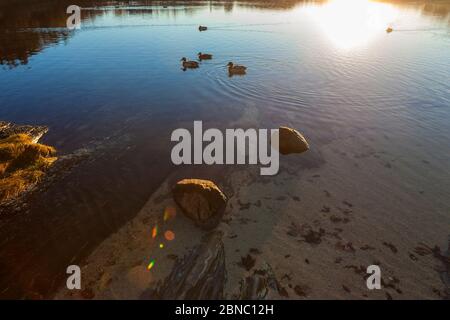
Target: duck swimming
202,28
204,56
189,64
235,69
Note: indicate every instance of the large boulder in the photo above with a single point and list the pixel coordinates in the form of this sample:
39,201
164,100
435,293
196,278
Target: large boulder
201,201
292,141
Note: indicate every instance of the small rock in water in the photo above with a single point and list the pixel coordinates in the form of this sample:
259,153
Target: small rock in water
201,201
292,141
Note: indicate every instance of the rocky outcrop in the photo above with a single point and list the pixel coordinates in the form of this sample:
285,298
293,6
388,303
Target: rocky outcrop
292,141
200,200
35,132
262,285
199,275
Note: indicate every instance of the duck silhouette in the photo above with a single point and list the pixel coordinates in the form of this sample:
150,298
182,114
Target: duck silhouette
204,56
189,64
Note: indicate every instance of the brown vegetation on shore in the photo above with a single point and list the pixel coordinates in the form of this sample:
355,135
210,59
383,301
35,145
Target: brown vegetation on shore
22,164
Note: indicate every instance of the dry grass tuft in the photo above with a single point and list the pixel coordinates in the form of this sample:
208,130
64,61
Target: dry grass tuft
22,164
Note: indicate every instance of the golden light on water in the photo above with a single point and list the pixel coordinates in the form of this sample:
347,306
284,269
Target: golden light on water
352,23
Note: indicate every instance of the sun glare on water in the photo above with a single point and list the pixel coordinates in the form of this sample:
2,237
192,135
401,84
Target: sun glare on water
352,23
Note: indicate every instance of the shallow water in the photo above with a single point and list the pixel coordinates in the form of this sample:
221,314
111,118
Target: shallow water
326,68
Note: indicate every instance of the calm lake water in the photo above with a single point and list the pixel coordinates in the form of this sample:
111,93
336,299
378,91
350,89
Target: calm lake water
327,68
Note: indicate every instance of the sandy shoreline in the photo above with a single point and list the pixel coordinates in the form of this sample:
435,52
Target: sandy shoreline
360,205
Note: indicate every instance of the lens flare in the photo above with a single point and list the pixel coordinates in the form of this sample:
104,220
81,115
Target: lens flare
154,232
169,213
161,245
169,235
151,264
